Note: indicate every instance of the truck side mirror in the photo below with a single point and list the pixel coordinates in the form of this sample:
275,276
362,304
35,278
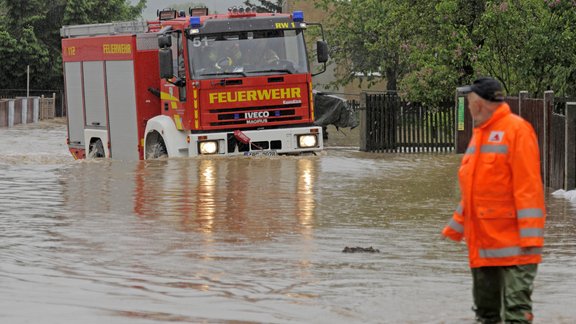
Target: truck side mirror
165,59
322,51
164,41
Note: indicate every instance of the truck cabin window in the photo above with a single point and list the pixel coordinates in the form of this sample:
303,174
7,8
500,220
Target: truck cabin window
247,53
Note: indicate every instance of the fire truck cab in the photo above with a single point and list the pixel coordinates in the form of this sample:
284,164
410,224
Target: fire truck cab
190,85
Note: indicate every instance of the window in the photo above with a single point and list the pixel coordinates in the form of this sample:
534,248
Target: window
247,53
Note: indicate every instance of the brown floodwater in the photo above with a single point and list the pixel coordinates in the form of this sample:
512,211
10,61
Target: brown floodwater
244,240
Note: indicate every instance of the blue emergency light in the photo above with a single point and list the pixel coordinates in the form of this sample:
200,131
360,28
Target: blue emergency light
195,22
298,16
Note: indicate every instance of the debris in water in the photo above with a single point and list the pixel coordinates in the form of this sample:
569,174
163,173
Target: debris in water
360,250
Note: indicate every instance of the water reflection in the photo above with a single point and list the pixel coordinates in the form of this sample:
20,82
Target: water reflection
207,193
251,197
305,193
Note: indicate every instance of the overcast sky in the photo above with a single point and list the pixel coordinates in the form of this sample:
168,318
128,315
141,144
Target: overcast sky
213,5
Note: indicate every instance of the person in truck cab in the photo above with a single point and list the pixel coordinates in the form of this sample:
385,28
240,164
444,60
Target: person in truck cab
228,56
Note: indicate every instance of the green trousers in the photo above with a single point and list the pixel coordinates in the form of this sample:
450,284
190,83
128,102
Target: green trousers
503,294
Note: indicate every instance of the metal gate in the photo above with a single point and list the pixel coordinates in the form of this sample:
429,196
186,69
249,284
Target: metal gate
389,124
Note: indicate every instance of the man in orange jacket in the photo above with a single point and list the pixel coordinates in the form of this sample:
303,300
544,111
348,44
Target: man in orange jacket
501,213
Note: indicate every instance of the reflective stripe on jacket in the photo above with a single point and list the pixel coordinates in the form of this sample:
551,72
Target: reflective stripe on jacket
501,214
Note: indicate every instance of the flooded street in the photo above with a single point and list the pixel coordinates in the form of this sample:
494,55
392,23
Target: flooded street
243,240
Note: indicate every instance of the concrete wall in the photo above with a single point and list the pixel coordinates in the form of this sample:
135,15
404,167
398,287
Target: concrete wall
19,111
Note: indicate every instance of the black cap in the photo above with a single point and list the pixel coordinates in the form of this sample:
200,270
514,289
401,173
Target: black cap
487,88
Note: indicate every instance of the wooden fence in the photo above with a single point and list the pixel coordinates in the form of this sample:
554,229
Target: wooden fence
562,152
47,107
557,152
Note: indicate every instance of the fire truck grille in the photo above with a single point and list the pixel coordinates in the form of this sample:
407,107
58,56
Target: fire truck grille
268,114
255,115
225,110
251,121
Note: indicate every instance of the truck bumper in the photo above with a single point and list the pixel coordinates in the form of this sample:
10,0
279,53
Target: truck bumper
261,142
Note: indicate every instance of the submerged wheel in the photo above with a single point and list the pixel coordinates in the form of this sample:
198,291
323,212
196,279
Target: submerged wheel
155,146
96,149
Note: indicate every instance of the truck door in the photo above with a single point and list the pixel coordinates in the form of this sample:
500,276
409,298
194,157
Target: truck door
75,103
121,90
94,94
179,63
173,93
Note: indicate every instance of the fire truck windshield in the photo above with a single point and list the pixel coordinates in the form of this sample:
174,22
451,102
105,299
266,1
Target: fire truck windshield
247,53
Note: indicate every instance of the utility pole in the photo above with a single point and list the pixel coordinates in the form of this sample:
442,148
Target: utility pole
28,81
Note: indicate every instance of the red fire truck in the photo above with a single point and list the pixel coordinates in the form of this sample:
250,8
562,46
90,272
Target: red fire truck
189,85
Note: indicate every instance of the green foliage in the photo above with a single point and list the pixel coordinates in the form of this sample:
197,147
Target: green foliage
368,38
443,51
266,6
9,54
78,12
98,11
425,49
30,35
34,54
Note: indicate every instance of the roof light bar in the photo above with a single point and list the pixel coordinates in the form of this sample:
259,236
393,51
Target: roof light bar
298,16
242,11
166,14
198,11
195,22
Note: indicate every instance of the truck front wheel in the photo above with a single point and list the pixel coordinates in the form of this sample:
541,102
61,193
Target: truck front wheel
155,146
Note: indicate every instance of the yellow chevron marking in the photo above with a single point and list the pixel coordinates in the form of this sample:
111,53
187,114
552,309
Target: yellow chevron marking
178,121
167,96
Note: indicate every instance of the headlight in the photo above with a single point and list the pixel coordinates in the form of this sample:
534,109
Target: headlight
307,141
208,147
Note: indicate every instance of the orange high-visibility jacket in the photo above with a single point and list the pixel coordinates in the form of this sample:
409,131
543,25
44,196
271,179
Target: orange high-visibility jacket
501,214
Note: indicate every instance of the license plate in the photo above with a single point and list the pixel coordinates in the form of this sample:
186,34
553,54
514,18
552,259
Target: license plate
261,153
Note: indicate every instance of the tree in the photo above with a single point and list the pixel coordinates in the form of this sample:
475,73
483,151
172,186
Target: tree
36,55
266,6
100,11
2,9
78,12
444,49
425,49
30,35
368,39
9,55
528,45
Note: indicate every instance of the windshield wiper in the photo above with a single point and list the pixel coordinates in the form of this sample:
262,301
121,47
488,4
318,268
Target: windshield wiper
224,73
272,70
